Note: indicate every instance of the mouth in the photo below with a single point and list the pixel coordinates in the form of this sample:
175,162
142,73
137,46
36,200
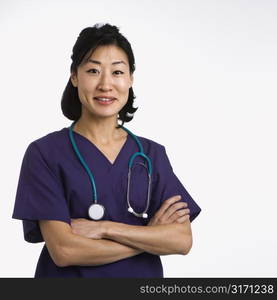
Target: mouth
104,101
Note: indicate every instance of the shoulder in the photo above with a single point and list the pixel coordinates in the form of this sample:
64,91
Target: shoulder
49,144
51,138
151,146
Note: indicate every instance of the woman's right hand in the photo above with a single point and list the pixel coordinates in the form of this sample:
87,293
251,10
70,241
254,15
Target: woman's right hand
171,212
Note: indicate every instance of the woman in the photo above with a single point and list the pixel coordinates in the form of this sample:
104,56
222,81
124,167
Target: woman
139,215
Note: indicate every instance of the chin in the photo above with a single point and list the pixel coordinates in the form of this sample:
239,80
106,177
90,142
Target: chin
105,115
104,112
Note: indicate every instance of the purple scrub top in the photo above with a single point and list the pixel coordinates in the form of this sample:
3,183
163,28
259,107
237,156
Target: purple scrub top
53,185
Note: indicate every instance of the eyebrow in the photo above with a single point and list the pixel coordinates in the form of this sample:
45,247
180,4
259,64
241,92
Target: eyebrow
99,63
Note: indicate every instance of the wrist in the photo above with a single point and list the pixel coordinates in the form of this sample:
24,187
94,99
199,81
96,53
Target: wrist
106,225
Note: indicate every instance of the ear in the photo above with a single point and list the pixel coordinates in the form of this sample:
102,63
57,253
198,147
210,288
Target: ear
74,80
131,80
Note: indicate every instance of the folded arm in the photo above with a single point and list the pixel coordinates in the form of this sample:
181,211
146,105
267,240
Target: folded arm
67,248
158,239
89,243
169,231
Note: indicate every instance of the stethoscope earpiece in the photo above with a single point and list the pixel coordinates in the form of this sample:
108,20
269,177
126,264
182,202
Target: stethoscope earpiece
130,209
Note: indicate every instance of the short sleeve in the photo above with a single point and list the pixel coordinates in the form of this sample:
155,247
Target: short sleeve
168,184
39,195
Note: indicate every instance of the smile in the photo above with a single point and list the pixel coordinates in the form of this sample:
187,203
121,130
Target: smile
104,100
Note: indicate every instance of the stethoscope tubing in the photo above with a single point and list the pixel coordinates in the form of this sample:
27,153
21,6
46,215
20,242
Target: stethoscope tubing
130,164
92,181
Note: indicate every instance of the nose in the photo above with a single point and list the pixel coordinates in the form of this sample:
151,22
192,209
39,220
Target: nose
105,82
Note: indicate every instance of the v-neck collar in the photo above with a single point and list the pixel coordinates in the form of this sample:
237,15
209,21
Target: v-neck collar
120,153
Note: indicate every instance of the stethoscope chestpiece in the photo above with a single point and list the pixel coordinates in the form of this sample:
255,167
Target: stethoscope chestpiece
96,211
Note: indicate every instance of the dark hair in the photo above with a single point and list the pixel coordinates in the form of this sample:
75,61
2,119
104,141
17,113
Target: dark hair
88,40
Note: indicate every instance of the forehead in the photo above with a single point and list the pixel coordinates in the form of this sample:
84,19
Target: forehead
107,54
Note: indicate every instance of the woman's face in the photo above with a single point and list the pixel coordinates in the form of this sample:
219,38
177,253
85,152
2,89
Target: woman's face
105,74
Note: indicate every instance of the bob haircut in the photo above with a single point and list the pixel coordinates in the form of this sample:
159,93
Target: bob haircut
88,40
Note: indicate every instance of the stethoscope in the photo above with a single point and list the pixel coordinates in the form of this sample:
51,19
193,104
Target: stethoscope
96,211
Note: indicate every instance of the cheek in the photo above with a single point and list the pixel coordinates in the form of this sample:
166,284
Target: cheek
123,86
86,85
85,88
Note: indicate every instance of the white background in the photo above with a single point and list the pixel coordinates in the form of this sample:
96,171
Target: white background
206,89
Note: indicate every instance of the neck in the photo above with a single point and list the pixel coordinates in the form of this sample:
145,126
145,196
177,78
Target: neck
99,130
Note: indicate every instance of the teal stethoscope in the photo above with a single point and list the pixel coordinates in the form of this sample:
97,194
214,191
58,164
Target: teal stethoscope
96,211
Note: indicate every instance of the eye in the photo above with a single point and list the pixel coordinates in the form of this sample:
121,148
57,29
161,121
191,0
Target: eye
118,71
92,71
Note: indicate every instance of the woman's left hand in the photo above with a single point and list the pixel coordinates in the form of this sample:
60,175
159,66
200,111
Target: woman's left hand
86,228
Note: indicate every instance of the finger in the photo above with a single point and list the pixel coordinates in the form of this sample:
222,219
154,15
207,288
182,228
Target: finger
73,221
179,213
173,208
183,219
166,205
